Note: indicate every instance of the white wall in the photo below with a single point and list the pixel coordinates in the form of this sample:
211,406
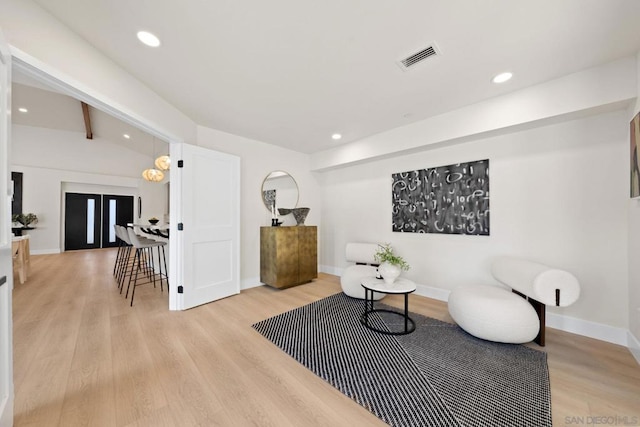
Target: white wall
257,161
53,159
559,196
634,251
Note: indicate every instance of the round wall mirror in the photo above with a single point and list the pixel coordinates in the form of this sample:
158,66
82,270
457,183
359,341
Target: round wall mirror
279,190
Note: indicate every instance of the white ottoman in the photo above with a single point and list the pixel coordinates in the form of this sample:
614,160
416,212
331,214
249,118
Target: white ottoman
493,314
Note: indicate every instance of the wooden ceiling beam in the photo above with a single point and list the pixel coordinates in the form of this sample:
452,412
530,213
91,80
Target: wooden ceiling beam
87,119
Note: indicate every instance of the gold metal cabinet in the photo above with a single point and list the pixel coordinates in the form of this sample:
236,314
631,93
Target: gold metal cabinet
288,255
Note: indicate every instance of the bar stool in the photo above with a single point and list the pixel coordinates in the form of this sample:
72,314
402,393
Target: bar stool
121,246
160,245
161,260
124,262
123,257
143,261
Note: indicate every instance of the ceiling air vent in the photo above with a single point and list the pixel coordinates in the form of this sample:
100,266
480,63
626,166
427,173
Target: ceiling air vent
418,57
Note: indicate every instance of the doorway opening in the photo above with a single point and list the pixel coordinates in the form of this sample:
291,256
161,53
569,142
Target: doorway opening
26,66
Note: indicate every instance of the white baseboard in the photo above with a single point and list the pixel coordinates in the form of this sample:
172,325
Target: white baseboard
433,293
330,270
44,251
633,344
587,328
253,282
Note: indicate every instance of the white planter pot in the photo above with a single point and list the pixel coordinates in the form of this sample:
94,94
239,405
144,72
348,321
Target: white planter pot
389,272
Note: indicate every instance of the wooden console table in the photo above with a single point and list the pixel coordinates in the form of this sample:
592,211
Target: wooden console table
17,231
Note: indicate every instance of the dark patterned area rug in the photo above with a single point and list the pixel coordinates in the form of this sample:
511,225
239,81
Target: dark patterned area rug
437,376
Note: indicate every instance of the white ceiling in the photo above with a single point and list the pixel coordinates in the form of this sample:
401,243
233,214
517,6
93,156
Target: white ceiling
49,109
291,72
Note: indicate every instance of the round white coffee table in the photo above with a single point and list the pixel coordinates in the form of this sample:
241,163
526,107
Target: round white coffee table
399,286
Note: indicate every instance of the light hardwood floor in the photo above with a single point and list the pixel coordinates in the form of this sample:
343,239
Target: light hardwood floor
84,357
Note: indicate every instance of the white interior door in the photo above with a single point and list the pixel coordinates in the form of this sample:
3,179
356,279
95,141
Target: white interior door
6,270
209,211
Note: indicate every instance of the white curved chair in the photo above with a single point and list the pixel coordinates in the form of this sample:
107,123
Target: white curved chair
512,315
493,314
351,280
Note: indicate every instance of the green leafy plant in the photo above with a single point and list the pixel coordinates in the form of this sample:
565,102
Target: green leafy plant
385,254
25,219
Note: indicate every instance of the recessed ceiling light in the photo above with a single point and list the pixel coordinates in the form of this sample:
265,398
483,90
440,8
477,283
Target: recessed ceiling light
23,110
502,77
148,38
336,136
126,136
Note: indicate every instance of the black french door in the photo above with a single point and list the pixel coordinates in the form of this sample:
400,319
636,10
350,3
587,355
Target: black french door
115,210
82,221
89,219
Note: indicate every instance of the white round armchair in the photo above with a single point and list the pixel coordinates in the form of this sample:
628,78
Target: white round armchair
351,279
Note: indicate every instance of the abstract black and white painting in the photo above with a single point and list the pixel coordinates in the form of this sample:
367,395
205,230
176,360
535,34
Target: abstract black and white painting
450,199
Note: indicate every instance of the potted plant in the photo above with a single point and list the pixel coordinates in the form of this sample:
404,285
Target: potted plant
25,219
391,265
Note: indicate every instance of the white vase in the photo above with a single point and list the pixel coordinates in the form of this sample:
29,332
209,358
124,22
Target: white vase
389,272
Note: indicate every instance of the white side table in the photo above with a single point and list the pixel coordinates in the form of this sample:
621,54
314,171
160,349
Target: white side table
399,286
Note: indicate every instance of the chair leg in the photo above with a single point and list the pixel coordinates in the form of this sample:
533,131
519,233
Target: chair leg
135,266
166,272
160,269
150,267
126,262
142,267
118,255
153,266
133,291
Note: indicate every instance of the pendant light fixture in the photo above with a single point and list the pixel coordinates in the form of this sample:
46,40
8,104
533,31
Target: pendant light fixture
163,163
153,175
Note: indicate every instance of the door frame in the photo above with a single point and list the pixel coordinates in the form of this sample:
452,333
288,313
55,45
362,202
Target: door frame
7,391
41,72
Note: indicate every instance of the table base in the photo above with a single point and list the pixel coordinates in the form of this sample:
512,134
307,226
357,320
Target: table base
409,324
